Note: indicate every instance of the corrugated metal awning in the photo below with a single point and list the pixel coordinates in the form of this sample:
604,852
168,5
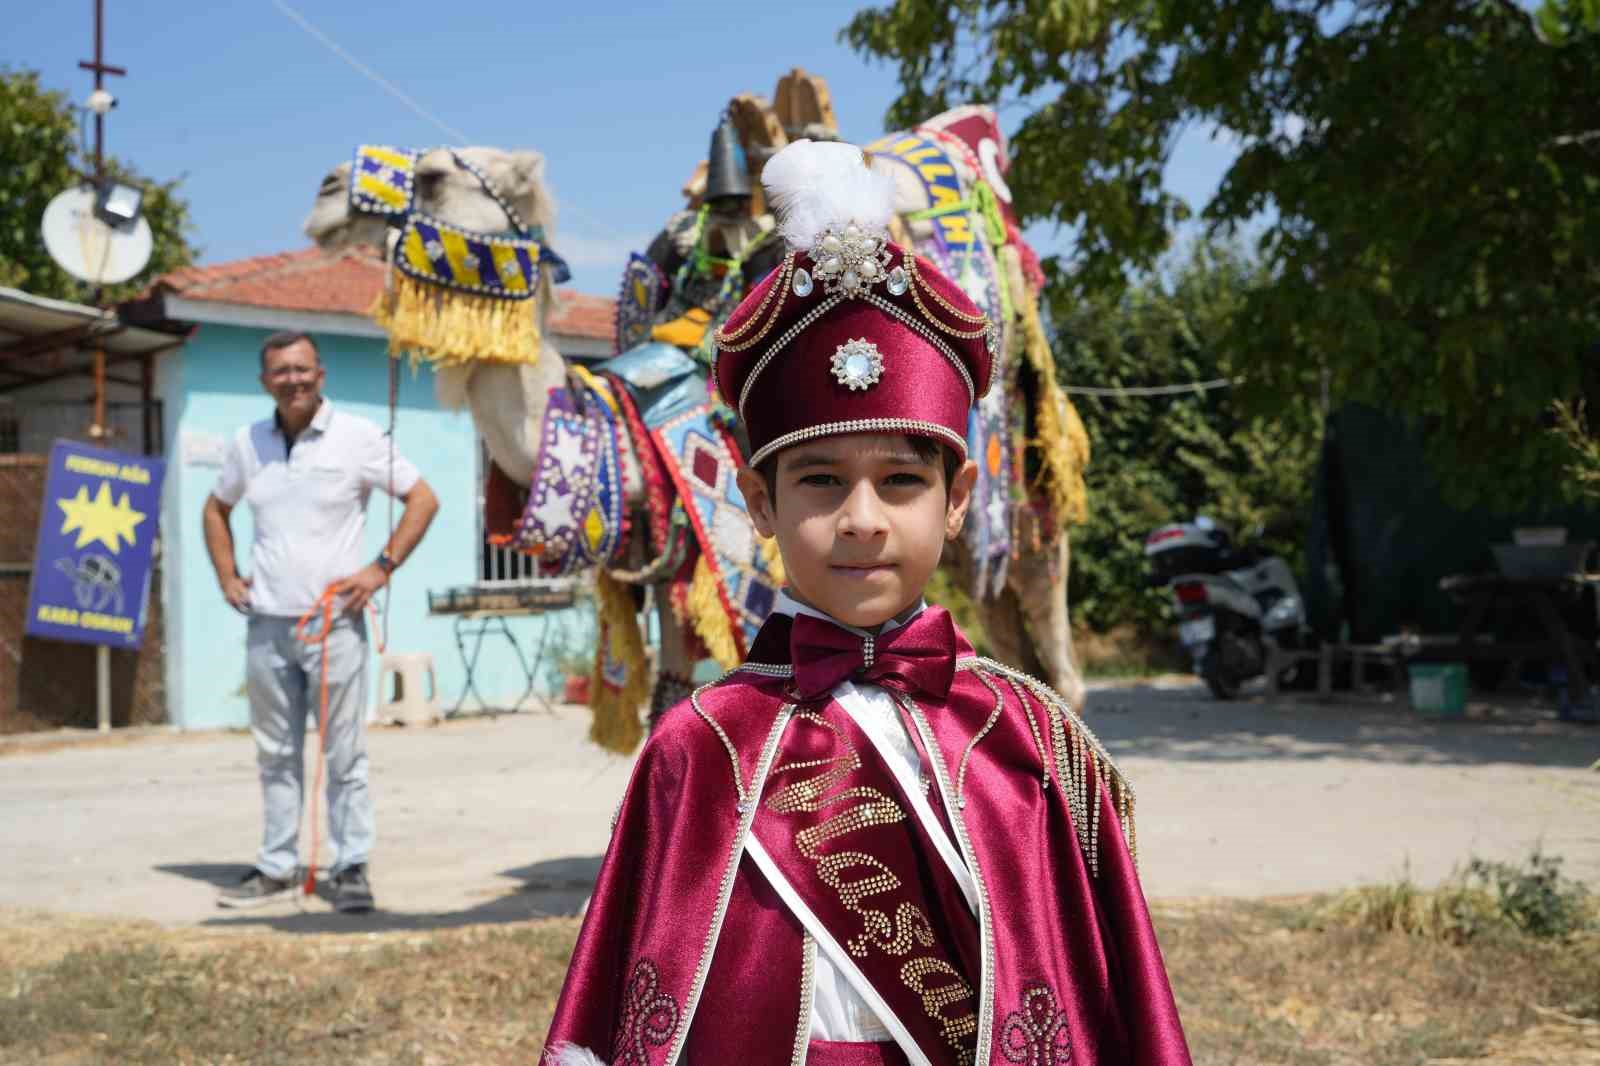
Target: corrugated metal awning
43,338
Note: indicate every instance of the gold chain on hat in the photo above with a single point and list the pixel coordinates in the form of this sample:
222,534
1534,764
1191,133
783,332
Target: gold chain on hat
981,320
728,341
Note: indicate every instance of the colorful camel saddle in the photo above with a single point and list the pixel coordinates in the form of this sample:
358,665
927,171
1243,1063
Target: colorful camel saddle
961,230
574,519
703,460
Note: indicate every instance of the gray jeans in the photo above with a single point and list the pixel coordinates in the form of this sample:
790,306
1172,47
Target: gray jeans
284,678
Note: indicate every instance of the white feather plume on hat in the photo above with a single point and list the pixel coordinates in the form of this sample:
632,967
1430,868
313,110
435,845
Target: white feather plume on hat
820,185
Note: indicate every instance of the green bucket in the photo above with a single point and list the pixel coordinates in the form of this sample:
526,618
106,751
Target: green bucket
1439,690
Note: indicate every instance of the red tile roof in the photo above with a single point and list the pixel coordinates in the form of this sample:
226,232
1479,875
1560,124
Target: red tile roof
344,283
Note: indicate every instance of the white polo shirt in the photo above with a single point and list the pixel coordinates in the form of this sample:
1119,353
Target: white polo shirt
309,502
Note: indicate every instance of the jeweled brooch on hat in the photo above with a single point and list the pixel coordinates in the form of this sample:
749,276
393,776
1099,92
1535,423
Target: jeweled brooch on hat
850,262
858,364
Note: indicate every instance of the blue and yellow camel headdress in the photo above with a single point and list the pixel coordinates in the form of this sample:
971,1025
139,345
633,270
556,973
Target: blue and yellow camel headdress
456,295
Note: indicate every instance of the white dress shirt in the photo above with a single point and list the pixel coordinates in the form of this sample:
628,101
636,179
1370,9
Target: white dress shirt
309,502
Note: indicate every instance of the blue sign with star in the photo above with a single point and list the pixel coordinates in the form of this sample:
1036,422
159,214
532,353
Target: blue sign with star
97,534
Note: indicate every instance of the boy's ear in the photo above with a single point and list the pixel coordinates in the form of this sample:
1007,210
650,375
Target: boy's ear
759,500
959,499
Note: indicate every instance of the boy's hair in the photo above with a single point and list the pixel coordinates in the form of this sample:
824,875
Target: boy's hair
927,450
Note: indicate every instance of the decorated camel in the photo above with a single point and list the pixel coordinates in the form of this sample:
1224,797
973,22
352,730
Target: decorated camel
626,467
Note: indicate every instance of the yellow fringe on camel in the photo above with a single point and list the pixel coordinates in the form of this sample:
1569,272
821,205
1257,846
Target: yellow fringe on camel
1063,442
442,325
616,713
708,616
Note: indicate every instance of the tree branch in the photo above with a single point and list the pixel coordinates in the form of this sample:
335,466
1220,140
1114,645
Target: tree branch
1518,14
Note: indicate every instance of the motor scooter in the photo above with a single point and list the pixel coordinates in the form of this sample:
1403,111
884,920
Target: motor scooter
1234,603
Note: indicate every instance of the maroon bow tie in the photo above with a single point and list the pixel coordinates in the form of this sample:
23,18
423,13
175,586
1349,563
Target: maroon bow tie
919,656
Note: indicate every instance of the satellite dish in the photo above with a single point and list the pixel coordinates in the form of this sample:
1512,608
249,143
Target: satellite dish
87,248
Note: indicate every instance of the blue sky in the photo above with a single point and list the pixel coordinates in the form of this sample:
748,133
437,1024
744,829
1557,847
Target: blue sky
252,110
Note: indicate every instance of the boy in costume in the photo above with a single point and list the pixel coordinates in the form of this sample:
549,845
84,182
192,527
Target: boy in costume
865,846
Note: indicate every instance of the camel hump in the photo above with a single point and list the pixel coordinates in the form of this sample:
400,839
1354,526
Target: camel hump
804,106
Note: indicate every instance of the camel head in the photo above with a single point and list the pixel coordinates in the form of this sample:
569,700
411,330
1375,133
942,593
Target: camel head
444,190
506,401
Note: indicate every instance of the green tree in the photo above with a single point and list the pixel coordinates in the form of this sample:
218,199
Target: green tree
1166,458
1426,174
38,159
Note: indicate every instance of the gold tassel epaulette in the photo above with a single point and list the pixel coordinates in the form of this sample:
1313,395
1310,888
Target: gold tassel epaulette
1081,765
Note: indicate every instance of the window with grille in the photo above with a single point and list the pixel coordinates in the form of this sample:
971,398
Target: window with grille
497,565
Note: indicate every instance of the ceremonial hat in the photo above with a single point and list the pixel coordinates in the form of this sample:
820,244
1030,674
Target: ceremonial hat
851,333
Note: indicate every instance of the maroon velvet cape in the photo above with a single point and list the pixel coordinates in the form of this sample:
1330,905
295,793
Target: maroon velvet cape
689,955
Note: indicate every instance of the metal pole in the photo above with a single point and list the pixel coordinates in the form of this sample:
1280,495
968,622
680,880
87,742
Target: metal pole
100,68
98,430
99,119
102,662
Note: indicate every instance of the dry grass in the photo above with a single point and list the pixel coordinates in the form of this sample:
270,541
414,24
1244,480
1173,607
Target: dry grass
1258,983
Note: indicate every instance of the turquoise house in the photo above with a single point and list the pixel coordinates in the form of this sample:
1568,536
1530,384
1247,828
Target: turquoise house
208,388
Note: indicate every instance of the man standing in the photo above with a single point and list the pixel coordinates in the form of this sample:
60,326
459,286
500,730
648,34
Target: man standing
307,473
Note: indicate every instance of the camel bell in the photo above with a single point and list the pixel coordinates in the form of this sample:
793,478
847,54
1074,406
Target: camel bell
727,174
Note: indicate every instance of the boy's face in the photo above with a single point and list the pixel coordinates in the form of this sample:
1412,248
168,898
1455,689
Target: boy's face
861,521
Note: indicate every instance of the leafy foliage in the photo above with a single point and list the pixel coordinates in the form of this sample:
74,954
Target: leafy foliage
1161,459
1583,449
1481,900
38,132
1537,899
1426,174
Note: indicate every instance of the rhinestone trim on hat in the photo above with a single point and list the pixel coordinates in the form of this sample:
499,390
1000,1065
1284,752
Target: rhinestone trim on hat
944,349
783,339
863,425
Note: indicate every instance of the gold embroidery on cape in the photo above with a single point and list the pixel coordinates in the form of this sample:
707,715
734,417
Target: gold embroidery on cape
1037,1034
936,997
649,1016
856,875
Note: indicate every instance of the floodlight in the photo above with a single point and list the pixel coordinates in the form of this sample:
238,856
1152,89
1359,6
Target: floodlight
117,204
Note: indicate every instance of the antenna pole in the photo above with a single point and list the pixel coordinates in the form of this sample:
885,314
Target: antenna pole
101,69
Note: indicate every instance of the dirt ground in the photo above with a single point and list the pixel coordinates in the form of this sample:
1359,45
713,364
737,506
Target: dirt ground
494,820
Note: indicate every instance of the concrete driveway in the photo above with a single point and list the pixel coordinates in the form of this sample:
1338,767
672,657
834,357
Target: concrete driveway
499,819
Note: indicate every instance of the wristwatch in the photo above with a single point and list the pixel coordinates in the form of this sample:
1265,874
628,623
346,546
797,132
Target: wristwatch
386,562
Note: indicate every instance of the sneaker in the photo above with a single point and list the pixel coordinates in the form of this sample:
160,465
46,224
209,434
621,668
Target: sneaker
254,890
352,892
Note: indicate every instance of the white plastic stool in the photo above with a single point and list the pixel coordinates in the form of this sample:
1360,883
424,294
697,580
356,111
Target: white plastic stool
409,706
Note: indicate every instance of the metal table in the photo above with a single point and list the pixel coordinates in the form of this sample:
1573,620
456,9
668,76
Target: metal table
481,611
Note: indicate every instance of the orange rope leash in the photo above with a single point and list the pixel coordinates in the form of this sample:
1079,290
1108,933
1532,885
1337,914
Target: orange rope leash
324,611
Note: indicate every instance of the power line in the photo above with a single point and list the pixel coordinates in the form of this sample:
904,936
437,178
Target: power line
400,94
389,86
1153,390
